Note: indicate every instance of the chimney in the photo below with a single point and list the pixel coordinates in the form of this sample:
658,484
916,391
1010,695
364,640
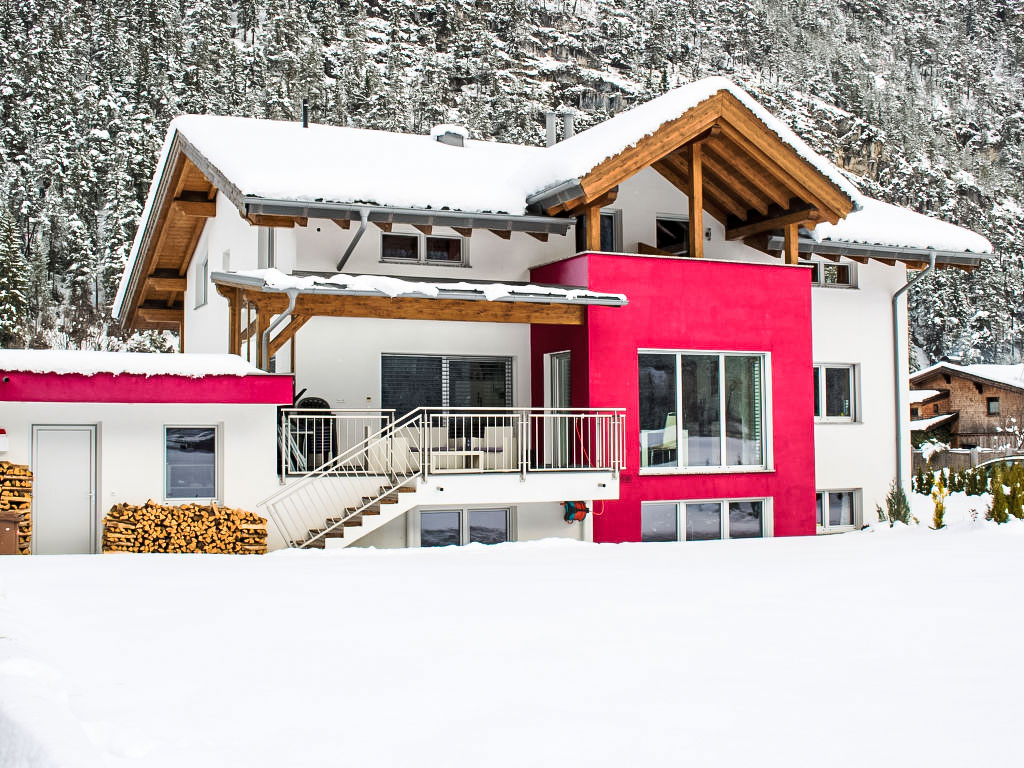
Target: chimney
568,128
549,125
305,113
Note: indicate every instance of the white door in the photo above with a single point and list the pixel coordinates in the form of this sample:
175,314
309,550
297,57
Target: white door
64,493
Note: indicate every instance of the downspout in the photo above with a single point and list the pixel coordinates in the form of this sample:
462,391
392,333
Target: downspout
293,294
896,364
364,217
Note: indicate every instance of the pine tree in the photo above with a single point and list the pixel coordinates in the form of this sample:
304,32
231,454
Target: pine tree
939,494
13,286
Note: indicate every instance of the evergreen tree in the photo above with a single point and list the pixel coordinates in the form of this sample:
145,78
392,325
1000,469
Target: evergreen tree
13,286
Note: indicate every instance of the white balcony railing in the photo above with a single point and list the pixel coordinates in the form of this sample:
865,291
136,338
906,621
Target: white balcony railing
448,440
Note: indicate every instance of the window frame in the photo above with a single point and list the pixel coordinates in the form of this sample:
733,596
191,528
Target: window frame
825,528
818,267
421,250
680,217
767,516
218,452
202,278
768,458
266,248
820,416
414,522
989,402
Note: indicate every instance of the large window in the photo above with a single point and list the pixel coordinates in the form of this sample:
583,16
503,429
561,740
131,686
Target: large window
702,410
837,511
455,527
441,381
423,249
834,392
190,462
703,520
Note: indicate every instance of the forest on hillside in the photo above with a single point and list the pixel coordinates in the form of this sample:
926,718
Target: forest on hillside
922,99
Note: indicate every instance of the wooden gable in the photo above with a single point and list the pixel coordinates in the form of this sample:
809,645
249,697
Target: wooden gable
728,163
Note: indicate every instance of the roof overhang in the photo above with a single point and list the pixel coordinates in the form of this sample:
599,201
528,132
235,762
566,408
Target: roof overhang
917,257
945,370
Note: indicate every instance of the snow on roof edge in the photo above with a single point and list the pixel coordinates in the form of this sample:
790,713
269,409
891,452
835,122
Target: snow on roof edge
89,363
989,371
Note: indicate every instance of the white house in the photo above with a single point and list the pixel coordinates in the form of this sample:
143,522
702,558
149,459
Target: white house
749,288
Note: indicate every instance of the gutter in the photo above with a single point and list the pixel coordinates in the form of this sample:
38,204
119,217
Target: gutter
895,252
896,364
293,294
382,213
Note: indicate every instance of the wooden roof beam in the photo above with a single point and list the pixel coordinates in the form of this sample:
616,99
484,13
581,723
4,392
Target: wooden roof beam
739,186
723,154
725,197
204,209
576,207
781,220
162,283
682,182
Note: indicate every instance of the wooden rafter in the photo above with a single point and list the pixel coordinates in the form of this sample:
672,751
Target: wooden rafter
268,220
681,180
165,284
426,229
780,220
204,209
720,194
288,332
343,223
464,231
504,234
575,207
748,170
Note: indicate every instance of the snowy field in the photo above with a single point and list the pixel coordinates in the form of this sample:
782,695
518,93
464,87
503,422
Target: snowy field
881,648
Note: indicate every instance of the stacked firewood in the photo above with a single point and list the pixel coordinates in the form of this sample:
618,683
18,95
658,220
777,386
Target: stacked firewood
204,528
16,494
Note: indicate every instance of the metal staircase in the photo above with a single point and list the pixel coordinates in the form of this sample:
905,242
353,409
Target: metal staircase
346,492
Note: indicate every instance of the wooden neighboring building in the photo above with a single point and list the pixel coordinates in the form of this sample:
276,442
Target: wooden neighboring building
972,405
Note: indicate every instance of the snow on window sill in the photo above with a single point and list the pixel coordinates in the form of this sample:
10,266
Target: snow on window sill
732,470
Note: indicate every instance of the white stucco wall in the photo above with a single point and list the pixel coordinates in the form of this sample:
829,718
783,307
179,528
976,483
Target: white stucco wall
130,446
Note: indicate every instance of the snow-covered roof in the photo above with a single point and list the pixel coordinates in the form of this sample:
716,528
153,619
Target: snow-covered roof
383,285
923,425
89,363
920,395
1006,375
882,224
400,170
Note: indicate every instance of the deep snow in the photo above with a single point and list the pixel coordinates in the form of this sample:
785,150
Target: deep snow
883,648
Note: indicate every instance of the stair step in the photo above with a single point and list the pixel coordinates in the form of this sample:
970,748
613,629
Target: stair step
318,544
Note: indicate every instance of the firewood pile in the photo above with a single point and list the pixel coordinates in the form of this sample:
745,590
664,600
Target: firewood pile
16,494
205,528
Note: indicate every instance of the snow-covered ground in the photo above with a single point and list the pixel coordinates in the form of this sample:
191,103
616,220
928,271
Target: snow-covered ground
880,648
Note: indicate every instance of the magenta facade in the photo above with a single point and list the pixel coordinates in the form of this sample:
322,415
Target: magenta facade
690,305
28,387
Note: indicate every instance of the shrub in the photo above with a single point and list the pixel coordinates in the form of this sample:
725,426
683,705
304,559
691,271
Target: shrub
939,494
997,510
897,508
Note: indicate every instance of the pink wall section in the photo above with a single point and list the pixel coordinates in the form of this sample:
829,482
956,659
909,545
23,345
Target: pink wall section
21,386
689,304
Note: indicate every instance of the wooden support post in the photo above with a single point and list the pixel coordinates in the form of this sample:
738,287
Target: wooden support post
234,322
592,228
696,195
791,246
262,323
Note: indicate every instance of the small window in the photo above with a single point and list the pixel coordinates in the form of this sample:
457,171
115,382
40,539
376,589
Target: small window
836,511
827,274
422,249
203,281
444,249
611,232
399,247
190,458
702,520
914,412
673,235
834,392
455,527
993,406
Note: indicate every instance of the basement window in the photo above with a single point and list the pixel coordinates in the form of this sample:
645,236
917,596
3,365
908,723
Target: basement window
836,510
703,520
422,249
190,462
456,527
